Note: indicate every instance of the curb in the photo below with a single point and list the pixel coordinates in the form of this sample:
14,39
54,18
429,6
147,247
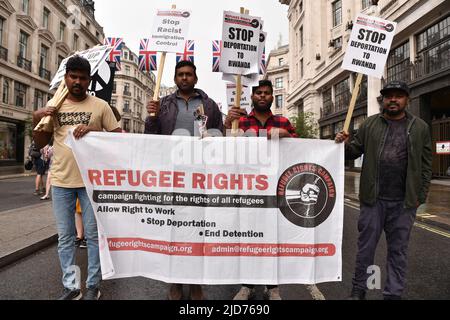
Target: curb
19,175
25,252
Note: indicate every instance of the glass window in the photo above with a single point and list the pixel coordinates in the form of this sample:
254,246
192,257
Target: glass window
398,63
8,141
338,127
126,106
23,44
279,83
5,97
2,26
365,4
62,30
279,101
280,61
342,95
43,58
20,93
45,18
113,102
337,12
26,6
75,42
327,102
38,99
338,43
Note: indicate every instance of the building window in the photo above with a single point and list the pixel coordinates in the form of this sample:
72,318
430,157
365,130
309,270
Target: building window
97,35
2,26
44,56
301,37
60,59
279,83
45,18
125,54
88,25
127,70
279,101
327,102
301,68
126,106
338,127
342,95
75,42
433,47
398,63
5,97
62,31
337,12
126,125
20,93
38,99
23,44
280,61
8,141
326,132
337,43
26,6
300,6
113,103
365,4
126,90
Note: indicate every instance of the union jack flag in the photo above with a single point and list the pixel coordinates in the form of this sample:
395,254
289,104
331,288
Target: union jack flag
147,58
262,63
217,53
188,54
116,52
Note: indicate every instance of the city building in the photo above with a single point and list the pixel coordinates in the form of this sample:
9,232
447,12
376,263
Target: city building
420,55
278,74
131,91
35,36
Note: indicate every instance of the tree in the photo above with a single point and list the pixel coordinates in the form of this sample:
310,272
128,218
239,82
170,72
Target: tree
306,126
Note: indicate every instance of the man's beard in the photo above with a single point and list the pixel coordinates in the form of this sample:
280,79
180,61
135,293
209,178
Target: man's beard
264,108
393,113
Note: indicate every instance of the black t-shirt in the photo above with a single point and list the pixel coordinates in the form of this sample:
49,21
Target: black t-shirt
394,162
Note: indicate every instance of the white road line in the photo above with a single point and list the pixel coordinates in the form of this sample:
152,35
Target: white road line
425,227
315,292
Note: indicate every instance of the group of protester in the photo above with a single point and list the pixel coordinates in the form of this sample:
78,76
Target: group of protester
394,180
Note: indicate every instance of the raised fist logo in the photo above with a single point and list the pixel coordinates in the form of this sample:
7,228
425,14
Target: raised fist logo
309,194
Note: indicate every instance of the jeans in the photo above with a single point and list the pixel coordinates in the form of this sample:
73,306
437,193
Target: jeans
397,222
64,210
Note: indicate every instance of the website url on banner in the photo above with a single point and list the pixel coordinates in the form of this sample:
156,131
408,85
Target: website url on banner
222,249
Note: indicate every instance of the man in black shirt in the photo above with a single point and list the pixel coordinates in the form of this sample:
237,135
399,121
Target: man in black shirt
394,182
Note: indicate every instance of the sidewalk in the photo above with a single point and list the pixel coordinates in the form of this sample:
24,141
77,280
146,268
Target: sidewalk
26,230
435,212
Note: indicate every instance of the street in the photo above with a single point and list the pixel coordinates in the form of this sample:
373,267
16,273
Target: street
18,193
38,276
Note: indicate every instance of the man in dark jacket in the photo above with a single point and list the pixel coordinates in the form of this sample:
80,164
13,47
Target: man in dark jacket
189,111
395,177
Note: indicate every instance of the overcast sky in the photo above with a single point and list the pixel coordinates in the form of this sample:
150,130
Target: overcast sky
132,20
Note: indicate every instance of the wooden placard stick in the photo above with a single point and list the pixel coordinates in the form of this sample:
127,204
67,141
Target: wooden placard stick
60,95
351,108
235,123
162,61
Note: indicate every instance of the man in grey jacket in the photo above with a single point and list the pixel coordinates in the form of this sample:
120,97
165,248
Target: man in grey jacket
189,111
394,182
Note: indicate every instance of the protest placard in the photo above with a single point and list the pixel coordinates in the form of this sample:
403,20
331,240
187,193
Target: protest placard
369,45
170,30
246,101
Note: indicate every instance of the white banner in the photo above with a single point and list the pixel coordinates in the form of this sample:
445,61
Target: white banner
369,45
170,30
246,100
95,56
240,38
215,210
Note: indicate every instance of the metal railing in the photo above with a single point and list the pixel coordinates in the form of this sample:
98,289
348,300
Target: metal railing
44,73
23,63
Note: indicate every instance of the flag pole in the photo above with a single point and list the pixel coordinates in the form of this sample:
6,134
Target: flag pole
235,123
162,61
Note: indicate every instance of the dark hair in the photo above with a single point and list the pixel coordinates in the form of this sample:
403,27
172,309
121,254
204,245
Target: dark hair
263,83
77,63
186,63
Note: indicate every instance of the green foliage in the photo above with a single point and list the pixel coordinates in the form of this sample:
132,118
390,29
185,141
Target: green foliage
306,126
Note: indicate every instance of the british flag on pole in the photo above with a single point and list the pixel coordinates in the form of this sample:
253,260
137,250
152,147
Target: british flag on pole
262,63
147,58
188,54
216,49
116,44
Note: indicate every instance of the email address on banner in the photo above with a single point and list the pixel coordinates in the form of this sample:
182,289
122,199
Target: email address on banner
222,249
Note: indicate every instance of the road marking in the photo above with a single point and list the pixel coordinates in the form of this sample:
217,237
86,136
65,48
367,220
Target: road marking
439,232
352,205
315,292
426,215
